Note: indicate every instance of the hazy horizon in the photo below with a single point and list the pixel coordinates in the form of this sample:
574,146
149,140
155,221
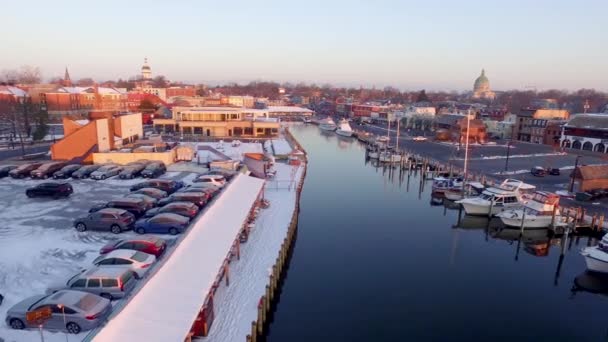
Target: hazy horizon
435,45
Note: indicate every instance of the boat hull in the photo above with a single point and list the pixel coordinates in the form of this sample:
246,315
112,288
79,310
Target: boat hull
531,222
327,127
393,158
344,133
474,208
594,263
453,195
373,155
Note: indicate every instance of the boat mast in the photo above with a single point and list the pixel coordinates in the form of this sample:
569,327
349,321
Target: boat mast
466,151
397,143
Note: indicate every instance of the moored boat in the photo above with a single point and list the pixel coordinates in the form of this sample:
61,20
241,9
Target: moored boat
537,212
494,200
470,189
596,257
389,157
442,184
327,124
344,129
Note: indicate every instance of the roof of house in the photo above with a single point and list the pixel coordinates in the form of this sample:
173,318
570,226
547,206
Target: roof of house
449,119
596,121
10,90
588,172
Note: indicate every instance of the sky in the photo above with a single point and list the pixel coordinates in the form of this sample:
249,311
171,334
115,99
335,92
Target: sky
431,44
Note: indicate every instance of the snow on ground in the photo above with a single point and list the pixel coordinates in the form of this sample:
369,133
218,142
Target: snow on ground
40,247
236,306
518,156
234,152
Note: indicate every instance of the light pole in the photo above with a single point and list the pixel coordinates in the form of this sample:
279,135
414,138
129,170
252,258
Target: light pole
64,320
508,153
574,173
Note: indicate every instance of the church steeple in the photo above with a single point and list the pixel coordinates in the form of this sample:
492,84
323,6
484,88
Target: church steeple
67,82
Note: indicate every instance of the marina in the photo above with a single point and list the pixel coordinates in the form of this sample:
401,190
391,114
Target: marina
395,248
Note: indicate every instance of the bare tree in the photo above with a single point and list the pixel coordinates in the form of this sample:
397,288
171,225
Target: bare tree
85,82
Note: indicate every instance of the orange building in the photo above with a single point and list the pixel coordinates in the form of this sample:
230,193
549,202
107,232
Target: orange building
103,132
180,91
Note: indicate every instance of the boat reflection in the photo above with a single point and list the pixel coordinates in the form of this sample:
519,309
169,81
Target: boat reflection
596,283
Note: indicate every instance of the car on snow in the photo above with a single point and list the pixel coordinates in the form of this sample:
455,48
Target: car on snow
162,224
136,261
23,170
85,171
66,171
4,170
55,190
148,244
46,170
107,219
186,209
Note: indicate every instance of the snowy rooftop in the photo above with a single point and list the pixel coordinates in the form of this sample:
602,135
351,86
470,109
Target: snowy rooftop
152,314
288,109
10,90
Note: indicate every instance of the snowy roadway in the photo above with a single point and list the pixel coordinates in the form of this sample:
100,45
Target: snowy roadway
39,246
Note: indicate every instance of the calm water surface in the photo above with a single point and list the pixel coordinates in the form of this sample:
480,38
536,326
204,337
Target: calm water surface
376,262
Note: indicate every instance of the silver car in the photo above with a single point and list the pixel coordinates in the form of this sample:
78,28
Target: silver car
106,172
71,311
108,282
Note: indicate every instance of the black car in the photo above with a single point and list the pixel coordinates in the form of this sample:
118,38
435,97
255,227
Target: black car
166,185
131,171
4,170
66,171
554,171
198,198
135,206
24,170
85,171
55,190
154,169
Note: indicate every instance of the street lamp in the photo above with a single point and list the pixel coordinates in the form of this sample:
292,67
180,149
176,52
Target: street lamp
62,307
573,174
508,153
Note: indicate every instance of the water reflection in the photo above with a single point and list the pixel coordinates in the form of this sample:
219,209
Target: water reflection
591,282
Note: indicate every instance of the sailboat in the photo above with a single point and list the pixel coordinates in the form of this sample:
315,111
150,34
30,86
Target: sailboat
388,156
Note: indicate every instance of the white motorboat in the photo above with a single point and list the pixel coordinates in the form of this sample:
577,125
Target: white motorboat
442,184
470,189
537,213
344,129
373,154
494,200
382,139
327,124
596,257
307,120
390,157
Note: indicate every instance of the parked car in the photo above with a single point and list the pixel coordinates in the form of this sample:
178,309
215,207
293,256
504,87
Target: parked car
24,170
150,201
4,170
226,173
186,209
85,171
71,311
167,185
152,192
206,186
162,224
66,171
135,206
46,170
538,171
131,171
55,190
154,169
420,138
106,219
106,172
209,192
149,244
136,261
217,180
108,282
198,198
554,171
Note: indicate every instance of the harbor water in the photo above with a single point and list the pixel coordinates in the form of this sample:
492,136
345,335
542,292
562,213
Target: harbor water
377,259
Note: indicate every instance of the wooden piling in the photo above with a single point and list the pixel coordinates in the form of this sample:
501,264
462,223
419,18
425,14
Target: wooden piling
227,274
254,331
593,221
261,316
553,217
523,221
491,208
600,225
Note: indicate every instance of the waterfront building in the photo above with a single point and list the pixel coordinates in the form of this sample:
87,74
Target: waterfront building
481,88
501,129
587,132
219,122
532,124
369,111
241,101
453,127
590,177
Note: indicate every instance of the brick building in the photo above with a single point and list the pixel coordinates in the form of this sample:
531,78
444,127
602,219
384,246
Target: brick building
79,101
531,124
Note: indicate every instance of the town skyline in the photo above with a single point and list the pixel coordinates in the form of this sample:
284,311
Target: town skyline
407,45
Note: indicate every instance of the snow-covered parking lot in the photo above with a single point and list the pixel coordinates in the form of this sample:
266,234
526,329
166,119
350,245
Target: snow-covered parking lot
39,246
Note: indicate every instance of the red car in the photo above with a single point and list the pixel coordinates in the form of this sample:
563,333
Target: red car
151,245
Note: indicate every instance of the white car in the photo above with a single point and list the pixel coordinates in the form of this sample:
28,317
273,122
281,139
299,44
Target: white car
136,261
420,138
217,180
